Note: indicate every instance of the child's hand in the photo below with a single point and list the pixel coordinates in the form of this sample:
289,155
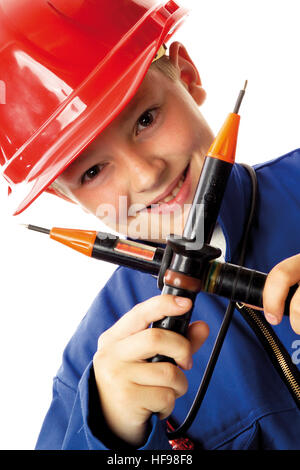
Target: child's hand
279,280
131,389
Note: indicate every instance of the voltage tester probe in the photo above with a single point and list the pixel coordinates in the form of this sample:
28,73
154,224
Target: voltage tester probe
181,270
184,269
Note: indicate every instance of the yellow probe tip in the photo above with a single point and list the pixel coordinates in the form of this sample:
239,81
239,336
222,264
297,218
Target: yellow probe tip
245,86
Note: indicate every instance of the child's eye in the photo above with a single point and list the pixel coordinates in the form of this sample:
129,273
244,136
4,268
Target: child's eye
146,120
91,173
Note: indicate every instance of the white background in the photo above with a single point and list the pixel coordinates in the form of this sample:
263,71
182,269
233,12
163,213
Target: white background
45,288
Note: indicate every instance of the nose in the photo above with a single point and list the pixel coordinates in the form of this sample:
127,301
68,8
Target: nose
144,172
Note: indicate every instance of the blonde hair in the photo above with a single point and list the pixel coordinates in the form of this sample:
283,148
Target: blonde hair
166,67
59,189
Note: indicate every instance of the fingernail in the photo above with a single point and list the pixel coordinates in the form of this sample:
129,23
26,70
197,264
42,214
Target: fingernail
182,301
271,318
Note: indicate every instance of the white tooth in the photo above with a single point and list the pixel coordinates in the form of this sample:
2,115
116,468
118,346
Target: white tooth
180,183
175,191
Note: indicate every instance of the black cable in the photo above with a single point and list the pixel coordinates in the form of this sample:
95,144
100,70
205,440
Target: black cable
206,376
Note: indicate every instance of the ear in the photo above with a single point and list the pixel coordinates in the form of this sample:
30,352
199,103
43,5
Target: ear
187,71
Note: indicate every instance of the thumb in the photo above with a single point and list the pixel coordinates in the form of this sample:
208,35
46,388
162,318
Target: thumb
197,334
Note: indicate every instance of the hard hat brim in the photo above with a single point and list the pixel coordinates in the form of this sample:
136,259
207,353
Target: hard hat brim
86,114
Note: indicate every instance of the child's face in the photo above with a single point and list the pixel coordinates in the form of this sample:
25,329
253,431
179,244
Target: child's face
141,158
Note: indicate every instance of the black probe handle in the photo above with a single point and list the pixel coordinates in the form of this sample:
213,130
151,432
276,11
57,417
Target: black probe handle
246,286
203,214
245,290
178,324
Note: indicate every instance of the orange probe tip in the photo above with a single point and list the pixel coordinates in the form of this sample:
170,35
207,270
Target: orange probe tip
224,145
80,240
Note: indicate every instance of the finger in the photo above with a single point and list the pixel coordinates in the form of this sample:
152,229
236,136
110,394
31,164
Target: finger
295,312
153,341
143,314
159,374
278,282
197,334
159,400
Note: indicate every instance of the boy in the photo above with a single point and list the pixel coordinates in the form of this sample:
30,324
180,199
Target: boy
151,152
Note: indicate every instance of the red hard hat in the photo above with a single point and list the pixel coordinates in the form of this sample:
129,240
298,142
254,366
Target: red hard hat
69,68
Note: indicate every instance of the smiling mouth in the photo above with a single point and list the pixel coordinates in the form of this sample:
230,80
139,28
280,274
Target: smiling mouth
171,195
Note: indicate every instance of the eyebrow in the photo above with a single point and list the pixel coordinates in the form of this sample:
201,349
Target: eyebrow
141,95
